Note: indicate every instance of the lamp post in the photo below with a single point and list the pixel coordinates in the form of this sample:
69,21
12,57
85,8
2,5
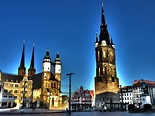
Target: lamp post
69,74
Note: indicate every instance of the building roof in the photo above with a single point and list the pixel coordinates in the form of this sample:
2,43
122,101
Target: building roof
37,80
127,87
79,93
10,77
149,83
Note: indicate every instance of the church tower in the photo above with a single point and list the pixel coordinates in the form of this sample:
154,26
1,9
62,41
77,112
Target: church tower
22,68
57,70
106,81
46,74
32,70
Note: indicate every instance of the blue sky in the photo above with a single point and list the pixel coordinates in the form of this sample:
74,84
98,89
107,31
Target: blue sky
69,27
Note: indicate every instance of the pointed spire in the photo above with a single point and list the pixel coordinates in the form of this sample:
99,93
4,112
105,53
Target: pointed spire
104,35
22,69
111,40
103,19
32,59
32,70
22,63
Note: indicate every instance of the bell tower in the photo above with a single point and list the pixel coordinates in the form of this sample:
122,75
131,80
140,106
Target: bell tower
57,70
46,74
106,81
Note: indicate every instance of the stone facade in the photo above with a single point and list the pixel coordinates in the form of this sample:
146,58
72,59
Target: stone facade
106,81
43,88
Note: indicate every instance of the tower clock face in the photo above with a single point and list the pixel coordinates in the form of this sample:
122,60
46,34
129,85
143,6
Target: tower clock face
104,43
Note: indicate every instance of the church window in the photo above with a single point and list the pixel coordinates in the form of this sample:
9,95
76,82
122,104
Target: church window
11,85
16,91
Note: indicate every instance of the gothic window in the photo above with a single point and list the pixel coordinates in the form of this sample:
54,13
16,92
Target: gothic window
98,55
113,79
104,54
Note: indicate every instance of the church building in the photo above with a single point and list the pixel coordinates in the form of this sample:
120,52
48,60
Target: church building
43,89
106,80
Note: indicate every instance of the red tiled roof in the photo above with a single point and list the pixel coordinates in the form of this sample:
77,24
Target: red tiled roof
148,82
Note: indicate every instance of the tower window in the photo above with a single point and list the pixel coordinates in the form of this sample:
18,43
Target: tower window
113,79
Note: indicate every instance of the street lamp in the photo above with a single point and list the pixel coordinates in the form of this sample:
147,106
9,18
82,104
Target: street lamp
69,74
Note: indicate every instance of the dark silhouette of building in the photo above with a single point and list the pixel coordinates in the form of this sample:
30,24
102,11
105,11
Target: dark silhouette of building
106,81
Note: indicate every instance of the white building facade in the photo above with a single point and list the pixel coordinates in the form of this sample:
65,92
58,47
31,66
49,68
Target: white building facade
132,94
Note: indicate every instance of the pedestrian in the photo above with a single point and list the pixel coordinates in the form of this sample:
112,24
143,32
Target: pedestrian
67,110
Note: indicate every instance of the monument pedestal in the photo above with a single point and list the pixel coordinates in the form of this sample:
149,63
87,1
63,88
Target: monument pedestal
145,99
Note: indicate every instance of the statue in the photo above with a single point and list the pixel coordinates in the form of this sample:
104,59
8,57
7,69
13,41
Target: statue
144,87
145,97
